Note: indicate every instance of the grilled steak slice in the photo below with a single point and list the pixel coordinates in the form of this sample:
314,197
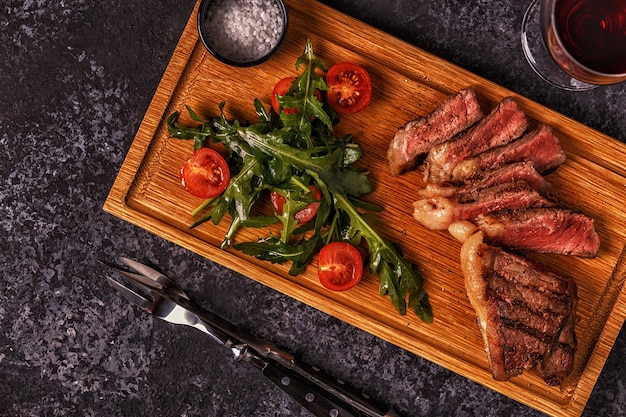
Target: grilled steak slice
414,139
518,171
437,213
541,146
543,230
526,314
505,123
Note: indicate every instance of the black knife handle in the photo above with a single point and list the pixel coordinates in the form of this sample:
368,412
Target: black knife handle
357,400
318,401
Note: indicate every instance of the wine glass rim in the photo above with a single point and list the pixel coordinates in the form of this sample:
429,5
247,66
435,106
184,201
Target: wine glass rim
552,5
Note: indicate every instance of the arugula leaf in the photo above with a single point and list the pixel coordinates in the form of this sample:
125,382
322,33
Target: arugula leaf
398,277
287,153
301,96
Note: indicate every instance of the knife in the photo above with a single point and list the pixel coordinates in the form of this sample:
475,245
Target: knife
321,394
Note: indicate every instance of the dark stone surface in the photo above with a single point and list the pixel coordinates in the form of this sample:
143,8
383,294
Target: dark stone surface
75,80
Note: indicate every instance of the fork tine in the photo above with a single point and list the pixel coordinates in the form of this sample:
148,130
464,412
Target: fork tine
161,280
143,269
132,296
133,276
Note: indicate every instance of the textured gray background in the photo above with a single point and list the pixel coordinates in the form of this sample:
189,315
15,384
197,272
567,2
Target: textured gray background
76,78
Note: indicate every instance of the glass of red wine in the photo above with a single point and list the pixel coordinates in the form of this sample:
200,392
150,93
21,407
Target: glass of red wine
576,45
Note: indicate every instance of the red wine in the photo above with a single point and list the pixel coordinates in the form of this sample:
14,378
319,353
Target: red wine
593,32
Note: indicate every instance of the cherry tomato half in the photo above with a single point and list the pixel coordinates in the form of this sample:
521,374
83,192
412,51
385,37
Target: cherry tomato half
282,88
205,174
339,266
349,88
303,216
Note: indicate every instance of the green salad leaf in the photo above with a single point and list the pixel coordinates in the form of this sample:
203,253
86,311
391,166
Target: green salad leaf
288,154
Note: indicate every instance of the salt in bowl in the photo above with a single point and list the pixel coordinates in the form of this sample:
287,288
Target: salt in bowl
242,33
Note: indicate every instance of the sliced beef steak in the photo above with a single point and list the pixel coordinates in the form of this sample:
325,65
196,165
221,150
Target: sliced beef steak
414,139
543,230
541,146
486,187
518,171
505,123
526,313
437,213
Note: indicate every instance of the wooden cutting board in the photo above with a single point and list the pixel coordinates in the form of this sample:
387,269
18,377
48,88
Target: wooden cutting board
408,82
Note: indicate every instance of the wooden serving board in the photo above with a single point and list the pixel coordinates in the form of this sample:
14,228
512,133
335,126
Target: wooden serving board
408,82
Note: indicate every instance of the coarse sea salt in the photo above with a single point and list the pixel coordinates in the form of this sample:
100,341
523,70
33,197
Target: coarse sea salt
244,30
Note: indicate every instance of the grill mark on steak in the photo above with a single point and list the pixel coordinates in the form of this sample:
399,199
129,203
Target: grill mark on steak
553,360
456,114
518,171
526,298
525,312
523,273
437,213
540,146
543,230
534,321
505,123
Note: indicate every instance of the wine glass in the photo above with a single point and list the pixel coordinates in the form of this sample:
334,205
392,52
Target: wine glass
576,45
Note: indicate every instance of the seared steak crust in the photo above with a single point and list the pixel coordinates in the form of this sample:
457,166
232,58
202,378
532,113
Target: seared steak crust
510,195
505,123
526,313
415,138
438,213
540,146
532,318
519,171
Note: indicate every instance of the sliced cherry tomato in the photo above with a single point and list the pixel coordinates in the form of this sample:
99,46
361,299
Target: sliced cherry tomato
303,216
205,174
339,266
349,88
282,88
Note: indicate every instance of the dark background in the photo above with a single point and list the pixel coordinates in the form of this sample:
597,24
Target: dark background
76,78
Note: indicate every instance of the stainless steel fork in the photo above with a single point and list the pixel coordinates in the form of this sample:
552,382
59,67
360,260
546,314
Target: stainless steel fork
319,393
181,310
166,309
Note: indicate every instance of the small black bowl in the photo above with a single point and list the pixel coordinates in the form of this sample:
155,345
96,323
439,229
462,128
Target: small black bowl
242,33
